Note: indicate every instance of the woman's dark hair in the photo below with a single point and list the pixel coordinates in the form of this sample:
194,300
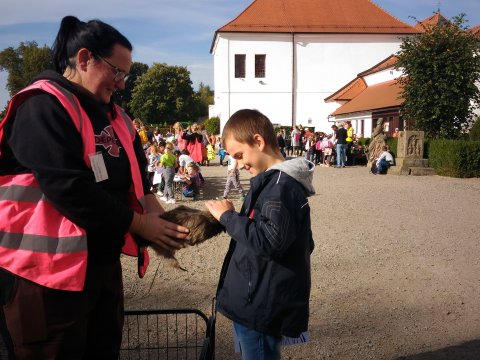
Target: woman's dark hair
94,35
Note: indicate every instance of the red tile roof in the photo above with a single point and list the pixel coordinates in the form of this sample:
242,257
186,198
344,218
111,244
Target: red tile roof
349,91
475,31
375,97
389,62
317,16
434,20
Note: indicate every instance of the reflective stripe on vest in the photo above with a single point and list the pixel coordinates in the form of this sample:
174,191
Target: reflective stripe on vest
37,242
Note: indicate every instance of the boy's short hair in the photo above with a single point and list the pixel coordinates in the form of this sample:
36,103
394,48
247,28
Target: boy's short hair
245,123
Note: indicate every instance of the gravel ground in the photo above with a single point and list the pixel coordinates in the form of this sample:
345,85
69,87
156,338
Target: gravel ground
395,271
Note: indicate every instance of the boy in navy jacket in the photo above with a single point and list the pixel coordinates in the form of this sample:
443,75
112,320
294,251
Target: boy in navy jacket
264,285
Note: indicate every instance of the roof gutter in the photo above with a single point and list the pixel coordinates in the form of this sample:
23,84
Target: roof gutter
294,81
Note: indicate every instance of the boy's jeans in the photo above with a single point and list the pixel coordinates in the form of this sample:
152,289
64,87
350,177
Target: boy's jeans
257,346
383,164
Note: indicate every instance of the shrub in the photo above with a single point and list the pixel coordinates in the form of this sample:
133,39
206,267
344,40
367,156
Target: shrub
392,143
364,141
455,158
474,133
212,125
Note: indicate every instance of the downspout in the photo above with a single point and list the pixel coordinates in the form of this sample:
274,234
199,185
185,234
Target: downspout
228,73
294,58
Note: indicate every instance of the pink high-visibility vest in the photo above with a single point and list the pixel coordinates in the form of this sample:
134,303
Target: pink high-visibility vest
37,242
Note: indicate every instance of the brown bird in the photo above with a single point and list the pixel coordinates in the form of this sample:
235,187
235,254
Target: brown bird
202,226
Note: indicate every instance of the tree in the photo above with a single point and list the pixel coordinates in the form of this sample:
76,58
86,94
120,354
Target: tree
163,94
474,133
203,98
24,63
441,66
123,97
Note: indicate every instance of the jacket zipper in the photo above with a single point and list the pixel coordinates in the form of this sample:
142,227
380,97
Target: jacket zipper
249,298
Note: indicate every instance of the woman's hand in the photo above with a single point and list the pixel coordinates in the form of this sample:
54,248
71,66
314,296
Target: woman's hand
152,205
152,228
218,207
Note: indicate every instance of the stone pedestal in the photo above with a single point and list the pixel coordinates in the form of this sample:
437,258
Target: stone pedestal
410,159
410,144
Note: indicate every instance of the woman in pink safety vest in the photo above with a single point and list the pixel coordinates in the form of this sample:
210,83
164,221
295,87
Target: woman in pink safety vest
73,192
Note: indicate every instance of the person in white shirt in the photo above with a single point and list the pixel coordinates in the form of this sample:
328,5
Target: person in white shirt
183,160
384,161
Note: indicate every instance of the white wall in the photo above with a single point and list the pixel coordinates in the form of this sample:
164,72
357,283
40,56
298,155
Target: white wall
270,95
356,119
323,64
382,76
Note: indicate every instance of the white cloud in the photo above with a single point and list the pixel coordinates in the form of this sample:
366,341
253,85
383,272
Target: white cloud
176,32
164,11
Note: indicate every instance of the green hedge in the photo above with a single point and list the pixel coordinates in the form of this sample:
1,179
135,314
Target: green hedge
364,141
392,144
455,158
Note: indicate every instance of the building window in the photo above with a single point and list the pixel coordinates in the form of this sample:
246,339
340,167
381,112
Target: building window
260,66
239,65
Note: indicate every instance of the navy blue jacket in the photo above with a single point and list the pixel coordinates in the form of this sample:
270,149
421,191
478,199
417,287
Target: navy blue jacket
265,279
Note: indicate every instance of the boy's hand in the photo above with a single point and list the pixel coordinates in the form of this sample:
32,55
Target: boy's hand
218,207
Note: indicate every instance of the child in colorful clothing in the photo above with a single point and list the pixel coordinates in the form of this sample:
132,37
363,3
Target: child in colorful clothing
159,169
210,154
233,179
220,150
310,148
192,181
169,163
327,148
153,158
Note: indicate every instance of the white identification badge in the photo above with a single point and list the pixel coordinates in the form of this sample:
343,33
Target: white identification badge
98,166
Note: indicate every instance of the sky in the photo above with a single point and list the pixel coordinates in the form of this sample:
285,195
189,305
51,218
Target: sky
175,32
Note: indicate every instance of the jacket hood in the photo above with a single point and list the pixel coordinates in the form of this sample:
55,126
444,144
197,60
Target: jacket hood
301,170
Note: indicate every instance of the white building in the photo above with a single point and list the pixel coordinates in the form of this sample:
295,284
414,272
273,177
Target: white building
285,57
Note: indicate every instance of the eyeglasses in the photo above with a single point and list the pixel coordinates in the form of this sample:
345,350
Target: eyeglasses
119,74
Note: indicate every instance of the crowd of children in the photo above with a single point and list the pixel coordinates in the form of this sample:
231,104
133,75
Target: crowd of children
166,164
320,147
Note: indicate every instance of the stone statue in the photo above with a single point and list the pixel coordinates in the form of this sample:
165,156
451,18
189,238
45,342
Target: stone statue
413,147
376,143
